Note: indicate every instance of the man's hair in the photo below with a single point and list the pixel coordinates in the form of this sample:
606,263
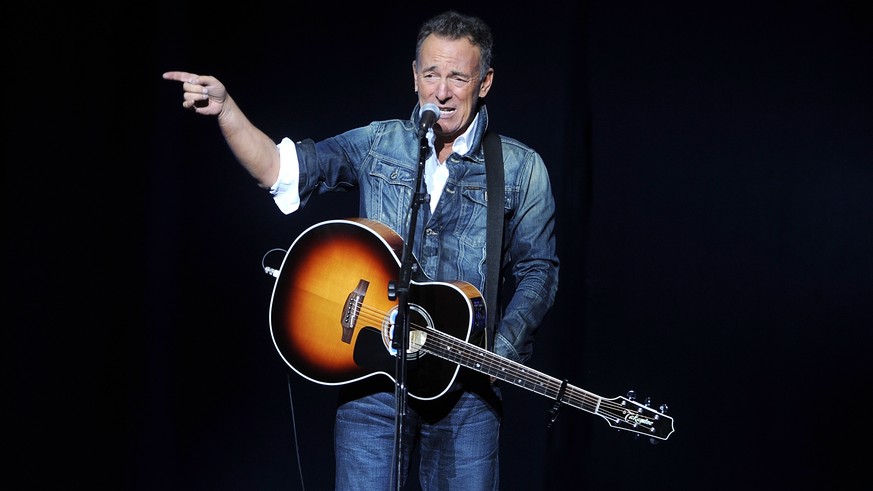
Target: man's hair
454,25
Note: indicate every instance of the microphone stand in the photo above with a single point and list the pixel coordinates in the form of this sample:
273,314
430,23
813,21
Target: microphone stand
401,323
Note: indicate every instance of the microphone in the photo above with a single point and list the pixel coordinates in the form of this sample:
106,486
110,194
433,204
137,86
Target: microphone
430,114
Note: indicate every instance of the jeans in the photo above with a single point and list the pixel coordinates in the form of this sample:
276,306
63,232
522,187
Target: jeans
458,444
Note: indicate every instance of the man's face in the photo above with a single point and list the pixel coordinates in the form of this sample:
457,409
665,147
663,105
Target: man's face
447,74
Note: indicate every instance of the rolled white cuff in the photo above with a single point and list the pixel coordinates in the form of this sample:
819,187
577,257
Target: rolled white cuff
285,190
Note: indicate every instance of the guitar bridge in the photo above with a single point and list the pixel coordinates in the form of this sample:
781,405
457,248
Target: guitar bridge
352,310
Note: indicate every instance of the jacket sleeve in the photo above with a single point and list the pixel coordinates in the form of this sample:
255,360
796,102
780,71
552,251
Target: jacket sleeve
532,263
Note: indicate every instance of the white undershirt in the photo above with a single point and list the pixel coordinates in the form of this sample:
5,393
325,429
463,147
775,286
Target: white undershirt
435,172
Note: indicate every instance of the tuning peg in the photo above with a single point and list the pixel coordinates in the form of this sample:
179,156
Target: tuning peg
663,409
648,402
631,395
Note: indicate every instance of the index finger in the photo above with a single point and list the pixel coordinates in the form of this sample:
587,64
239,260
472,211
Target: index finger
180,76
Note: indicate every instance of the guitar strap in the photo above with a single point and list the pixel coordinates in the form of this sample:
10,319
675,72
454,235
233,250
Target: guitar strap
494,237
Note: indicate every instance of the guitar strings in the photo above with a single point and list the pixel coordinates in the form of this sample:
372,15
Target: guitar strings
476,358
455,349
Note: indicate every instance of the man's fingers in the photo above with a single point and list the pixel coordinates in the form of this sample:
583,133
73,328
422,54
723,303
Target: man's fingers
191,78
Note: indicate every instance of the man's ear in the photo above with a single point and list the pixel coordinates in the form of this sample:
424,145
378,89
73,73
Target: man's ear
485,85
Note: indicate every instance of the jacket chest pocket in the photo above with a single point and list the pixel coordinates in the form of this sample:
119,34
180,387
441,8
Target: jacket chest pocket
473,215
389,197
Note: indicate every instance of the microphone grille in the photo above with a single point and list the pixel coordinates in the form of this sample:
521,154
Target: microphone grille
430,106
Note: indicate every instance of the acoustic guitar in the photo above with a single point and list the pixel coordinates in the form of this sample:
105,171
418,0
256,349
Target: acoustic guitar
333,311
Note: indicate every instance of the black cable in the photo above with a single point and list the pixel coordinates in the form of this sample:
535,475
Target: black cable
294,427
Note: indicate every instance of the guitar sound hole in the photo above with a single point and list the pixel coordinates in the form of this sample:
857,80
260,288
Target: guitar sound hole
418,319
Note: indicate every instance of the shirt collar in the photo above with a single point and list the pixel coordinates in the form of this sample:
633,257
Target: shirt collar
461,145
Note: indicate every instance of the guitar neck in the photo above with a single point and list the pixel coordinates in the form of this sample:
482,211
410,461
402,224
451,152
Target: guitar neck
619,412
483,361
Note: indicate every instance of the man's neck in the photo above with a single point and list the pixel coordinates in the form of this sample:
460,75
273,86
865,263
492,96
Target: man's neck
444,144
443,148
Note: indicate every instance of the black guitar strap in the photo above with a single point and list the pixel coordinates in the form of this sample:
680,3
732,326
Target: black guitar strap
494,237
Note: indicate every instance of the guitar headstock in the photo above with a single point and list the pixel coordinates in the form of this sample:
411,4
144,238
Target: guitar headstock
625,413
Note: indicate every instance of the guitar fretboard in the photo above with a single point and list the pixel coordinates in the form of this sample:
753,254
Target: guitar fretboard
621,413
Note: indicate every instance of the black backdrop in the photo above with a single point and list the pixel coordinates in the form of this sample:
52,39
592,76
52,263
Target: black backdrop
712,167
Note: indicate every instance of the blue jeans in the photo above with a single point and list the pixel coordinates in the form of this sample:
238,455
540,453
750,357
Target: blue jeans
458,444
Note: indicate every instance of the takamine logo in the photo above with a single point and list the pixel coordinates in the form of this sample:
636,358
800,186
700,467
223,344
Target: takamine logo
638,419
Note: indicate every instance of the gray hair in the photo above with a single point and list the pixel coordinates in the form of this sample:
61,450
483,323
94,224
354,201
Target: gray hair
454,25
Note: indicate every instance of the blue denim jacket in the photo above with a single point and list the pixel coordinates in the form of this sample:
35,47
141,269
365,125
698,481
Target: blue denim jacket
381,161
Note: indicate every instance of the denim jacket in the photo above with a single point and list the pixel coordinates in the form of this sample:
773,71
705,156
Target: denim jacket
381,161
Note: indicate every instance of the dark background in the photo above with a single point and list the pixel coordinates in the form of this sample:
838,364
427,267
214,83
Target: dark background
713,173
